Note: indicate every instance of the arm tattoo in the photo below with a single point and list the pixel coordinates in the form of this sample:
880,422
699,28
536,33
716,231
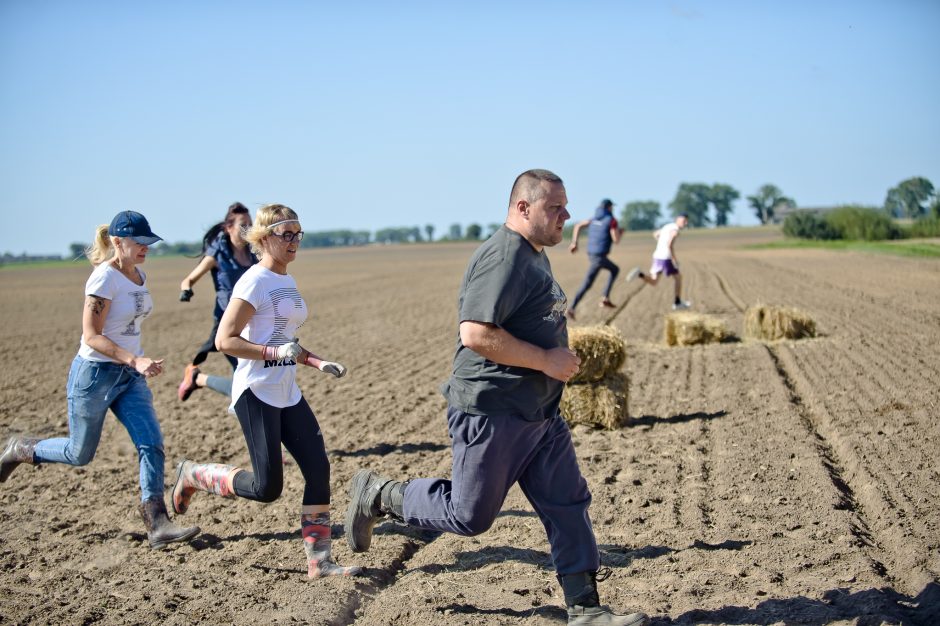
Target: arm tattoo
96,305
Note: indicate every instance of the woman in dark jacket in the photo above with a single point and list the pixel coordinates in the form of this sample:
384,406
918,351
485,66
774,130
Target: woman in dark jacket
227,257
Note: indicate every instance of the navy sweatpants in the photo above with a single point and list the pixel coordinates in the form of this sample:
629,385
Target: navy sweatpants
490,455
598,263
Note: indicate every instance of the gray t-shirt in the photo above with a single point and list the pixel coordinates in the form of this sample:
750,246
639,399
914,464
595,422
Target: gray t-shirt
510,285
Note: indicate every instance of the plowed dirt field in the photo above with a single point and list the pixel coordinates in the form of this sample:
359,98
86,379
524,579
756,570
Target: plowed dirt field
756,483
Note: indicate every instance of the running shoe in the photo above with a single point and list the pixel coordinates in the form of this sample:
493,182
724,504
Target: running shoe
188,386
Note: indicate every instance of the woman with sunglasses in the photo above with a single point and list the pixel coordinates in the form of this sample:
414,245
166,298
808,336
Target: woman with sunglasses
258,327
110,371
227,256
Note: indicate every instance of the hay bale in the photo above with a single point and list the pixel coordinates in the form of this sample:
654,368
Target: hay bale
777,322
601,404
685,328
602,351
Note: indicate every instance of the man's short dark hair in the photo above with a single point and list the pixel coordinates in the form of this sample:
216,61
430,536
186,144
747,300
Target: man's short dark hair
685,215
528,184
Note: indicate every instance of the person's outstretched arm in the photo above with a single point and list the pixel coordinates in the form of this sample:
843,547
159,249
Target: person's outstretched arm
206,264
574,235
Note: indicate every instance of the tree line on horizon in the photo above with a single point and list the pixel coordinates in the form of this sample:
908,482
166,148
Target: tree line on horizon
914,198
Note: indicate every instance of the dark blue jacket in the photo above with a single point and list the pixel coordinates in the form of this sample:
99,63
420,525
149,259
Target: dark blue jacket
227,272
599,238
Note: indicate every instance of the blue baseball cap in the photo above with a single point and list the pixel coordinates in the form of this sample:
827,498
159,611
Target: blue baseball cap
134,225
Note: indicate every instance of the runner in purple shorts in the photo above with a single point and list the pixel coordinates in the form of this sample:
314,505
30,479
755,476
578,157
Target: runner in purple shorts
664,260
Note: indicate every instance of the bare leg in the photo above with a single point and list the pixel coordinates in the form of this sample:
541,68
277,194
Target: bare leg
678,278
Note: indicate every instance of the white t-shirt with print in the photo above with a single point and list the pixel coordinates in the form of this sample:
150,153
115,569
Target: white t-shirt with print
130,305
279,312
666,234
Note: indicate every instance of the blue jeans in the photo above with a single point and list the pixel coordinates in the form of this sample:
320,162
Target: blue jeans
490,454
93,388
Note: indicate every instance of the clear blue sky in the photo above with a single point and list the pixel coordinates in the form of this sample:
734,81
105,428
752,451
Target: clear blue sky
373,114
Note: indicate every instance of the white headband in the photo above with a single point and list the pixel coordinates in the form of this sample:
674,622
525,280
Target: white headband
282,222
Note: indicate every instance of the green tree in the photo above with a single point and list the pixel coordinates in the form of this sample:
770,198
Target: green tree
473,232
456,232
640,215
767,200
721,197
77,251
910,197
429,229
401,234
692,199
491,229
808,225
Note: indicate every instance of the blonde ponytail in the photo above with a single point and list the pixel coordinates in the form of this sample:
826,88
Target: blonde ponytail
101,250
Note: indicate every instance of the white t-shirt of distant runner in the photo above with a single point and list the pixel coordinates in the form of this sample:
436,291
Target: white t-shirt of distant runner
279,312
666,234
130,305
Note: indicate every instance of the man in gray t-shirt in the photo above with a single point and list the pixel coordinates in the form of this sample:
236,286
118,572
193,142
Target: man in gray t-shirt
509,285
509,371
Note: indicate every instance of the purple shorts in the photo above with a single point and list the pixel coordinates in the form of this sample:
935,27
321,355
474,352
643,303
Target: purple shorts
663,266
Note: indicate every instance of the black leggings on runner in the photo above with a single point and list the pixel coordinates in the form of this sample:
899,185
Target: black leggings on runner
265,427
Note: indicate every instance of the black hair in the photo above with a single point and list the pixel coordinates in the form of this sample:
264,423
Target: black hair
236,208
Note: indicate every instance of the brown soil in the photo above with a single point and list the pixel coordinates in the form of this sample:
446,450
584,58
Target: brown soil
794,482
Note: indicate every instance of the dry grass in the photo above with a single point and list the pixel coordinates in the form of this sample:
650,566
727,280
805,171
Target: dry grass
602,351
601,404
770,323
685,328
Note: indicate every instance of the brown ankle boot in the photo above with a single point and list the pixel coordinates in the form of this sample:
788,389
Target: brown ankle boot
160,530
18,450
210,477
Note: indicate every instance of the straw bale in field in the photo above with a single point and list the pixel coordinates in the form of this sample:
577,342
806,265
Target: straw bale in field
601,349
602,404
777,322
685,328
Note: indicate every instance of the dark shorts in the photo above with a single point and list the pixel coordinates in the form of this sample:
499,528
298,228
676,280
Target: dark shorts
663,266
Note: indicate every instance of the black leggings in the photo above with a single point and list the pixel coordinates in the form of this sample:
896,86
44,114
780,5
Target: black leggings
209,346
265,427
